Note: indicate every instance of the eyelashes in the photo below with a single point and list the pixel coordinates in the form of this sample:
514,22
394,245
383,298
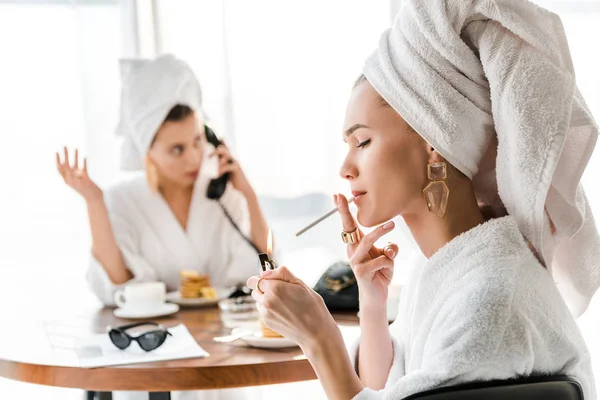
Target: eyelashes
364,143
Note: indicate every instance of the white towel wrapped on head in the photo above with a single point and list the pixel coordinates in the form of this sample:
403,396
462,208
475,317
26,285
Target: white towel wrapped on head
150,89
470,75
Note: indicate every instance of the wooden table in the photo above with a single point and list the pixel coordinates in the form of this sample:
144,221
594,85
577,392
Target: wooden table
228,366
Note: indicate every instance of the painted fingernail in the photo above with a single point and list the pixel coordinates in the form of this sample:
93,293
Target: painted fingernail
388,225
336,200
391,253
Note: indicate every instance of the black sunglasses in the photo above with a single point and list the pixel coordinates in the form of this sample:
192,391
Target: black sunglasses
148,340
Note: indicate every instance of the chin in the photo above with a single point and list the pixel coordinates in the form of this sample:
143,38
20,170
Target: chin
370,219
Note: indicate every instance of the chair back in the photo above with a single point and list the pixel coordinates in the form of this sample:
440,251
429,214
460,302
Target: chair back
529,388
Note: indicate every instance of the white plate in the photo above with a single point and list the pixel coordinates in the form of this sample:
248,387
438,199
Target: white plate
255,339
165,309
175,297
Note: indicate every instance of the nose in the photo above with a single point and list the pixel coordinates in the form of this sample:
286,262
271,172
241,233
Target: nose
348,170
195,156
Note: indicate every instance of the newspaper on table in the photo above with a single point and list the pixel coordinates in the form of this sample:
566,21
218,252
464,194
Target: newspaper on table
98,351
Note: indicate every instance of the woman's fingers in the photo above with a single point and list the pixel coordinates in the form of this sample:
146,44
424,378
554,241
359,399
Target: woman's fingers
59,165
223,162
252,282
369,267
221,151
348,222
226,168
66,157
365,248
390,250
76,161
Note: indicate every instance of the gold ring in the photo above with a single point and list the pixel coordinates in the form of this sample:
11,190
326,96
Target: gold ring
257,287
350,237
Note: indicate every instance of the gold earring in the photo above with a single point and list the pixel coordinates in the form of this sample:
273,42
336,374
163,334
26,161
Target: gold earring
151,174
436,193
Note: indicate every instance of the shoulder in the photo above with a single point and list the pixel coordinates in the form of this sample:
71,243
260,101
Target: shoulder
126,192
495,267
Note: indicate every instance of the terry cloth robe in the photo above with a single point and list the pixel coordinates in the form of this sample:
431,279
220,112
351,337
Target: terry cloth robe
482,308
156,247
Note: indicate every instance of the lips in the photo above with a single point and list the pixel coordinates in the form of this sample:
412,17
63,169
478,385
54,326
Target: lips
193,174
358,195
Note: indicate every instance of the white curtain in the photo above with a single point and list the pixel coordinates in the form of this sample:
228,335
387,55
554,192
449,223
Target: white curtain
58,86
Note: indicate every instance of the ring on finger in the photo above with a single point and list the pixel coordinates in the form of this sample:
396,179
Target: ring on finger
258,287
350,237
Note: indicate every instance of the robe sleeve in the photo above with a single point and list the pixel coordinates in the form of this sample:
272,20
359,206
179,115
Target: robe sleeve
242,258
465,344
127,239
396,370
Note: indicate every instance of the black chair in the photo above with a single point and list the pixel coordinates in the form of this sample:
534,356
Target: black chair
529,388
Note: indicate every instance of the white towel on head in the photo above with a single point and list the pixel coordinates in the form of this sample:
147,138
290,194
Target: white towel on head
150,89
468,75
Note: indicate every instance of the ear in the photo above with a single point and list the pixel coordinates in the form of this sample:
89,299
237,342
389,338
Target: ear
434,156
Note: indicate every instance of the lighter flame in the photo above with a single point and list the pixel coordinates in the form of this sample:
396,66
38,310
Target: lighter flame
270,244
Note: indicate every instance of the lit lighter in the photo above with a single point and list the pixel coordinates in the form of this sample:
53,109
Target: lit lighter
266,262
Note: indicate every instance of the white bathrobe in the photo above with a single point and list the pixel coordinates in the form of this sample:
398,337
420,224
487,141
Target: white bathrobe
156,247
482,308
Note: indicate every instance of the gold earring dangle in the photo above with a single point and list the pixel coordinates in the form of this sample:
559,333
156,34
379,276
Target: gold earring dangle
152,174
436,193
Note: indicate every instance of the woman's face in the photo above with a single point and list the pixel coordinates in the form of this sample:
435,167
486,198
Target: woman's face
386,163
178,150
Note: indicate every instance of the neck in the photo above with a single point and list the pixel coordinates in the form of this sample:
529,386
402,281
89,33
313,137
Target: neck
432,233
174,192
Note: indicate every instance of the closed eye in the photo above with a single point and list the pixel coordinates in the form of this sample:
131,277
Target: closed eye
364,143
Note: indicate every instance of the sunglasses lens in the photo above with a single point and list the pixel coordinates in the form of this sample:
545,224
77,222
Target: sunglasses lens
119,339
152,340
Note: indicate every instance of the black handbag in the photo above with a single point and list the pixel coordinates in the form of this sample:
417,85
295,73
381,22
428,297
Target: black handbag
338,288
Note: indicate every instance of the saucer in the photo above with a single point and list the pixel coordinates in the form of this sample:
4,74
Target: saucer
175,297
255,339
163,309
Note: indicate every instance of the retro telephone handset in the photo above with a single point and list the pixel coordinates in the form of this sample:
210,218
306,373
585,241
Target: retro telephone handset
216,188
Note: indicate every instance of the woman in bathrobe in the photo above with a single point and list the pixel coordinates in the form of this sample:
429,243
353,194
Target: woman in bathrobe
161,222
485,305
482,307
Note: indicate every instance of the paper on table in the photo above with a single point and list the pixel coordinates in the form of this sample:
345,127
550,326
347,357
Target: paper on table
98,351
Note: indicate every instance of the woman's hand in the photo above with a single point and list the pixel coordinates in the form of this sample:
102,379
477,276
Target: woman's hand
295,311
77,178
288,306
228,164
373,267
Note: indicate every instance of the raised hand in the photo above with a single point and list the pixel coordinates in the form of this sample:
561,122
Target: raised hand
76,176
373,267
228,164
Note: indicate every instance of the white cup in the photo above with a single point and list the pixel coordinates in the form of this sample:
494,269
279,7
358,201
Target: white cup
141,296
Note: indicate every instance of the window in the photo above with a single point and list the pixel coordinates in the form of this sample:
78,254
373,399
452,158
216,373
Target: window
59,80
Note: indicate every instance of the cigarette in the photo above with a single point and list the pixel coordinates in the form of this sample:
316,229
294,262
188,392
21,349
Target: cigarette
324,217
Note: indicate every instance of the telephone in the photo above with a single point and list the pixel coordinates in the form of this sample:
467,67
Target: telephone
217,186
